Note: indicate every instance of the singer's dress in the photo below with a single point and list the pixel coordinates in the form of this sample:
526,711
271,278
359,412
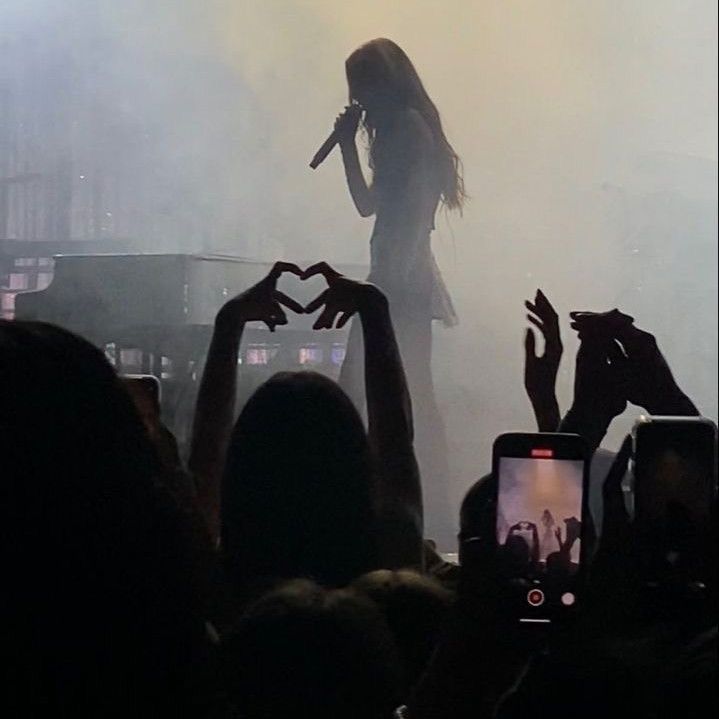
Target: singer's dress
407,193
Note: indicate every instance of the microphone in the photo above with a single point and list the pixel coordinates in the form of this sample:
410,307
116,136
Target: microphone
332,139
327,146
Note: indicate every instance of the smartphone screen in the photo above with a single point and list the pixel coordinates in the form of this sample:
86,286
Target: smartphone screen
540,509
674,468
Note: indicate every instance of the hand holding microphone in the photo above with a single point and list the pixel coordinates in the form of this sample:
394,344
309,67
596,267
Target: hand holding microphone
347,122
344,131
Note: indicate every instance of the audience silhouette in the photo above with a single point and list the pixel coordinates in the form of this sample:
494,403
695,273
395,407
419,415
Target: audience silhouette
285,572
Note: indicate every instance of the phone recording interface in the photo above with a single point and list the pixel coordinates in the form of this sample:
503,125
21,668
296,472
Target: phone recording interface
539,511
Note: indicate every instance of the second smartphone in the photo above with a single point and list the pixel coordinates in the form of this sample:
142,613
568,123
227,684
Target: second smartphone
541,505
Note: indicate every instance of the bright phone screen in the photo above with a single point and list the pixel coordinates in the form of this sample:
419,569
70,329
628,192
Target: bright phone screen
539,512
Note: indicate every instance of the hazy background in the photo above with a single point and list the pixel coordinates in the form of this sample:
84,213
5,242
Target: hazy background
587,131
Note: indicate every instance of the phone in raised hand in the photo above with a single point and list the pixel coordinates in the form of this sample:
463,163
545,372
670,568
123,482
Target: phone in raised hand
674,474
541,510
601,323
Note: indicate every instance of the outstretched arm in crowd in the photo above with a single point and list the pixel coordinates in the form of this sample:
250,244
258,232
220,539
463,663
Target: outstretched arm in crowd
599,391
618,363
540,373
214,411
389,412
651,383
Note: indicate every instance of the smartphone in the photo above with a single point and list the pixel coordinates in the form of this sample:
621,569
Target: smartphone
145,392
674,474
601,322
542,482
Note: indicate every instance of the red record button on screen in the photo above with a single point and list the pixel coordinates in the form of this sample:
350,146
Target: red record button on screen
535,597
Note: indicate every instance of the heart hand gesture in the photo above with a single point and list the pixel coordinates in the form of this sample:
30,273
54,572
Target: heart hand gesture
342,297
263,302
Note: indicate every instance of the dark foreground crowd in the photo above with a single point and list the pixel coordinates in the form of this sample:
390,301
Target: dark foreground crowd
284,573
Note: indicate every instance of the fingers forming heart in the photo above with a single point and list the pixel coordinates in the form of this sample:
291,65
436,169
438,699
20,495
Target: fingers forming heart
279,268
288,302
327,317
316,303
321,268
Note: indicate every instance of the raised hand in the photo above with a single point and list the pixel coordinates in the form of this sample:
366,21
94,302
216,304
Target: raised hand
615,521
343,297
649,381
540,373
574,531
214,412
601,377
651,384
263,302
613,573
398,490
347,122
600,389
604,324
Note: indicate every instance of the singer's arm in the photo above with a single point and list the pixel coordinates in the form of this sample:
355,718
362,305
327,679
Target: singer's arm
362,194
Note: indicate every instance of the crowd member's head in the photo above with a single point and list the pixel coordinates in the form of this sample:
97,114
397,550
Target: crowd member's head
415,607
309,652
297,490
94,594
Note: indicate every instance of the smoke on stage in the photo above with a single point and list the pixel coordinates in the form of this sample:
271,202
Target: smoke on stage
587,133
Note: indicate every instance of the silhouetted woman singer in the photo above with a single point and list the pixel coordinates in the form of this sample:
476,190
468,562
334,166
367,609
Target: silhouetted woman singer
413,168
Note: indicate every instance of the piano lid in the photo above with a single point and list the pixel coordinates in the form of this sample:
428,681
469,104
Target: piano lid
99,295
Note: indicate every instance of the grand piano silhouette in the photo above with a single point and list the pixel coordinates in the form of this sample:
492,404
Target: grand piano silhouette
163,306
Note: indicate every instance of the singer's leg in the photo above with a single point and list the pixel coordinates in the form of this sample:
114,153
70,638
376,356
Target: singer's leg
414,334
